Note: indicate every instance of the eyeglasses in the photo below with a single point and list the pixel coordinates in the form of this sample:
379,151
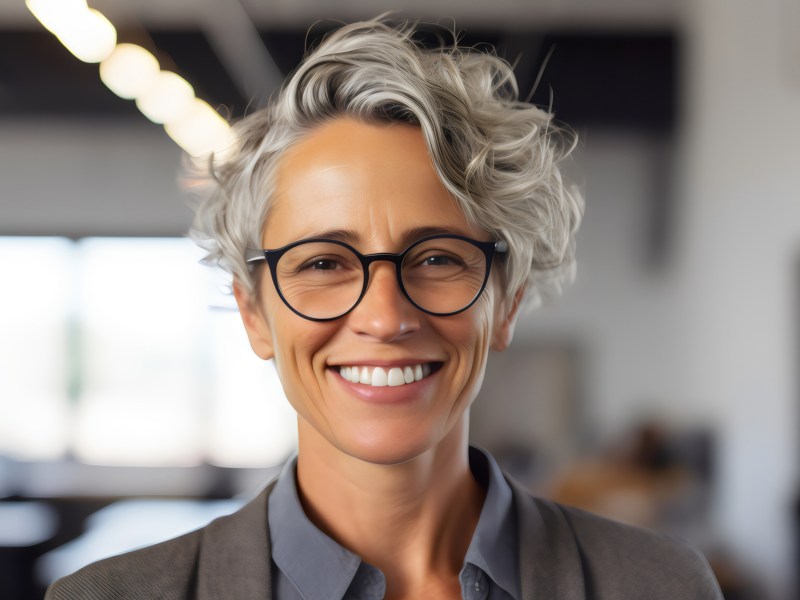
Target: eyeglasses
324,279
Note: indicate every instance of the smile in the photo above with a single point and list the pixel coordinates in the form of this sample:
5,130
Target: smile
391,376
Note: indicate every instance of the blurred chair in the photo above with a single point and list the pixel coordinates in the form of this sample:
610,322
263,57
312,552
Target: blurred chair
24,528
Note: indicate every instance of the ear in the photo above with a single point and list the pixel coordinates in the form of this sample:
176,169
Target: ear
255,323
505,319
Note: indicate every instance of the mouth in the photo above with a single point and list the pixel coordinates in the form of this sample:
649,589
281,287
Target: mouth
376,376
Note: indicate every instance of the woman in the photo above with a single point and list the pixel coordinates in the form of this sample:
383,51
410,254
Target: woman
384,220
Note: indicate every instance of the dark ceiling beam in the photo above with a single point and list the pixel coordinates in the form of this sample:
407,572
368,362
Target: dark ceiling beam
238,45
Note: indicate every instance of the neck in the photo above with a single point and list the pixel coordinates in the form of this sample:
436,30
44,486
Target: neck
413,520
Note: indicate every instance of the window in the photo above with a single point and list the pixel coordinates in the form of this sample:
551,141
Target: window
123,351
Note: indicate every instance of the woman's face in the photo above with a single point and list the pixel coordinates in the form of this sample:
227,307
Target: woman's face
374,185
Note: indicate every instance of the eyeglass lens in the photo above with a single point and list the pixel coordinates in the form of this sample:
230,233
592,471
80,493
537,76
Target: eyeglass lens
322,280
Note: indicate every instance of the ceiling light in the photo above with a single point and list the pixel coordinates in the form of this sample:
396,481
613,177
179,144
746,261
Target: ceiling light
200,130
91,37
167,99
57,15
84,31
129,71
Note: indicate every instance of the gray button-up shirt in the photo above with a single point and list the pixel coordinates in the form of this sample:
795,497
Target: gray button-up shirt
309,565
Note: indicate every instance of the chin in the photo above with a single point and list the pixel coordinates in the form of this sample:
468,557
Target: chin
394,445
388,447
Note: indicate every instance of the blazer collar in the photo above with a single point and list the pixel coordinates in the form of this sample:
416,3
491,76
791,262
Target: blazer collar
234,557
550,561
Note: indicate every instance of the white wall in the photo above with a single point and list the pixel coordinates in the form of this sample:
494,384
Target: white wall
620,311
75,178
740,261
711,338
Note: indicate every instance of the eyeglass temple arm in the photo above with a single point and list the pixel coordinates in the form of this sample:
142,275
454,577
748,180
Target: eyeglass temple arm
253,256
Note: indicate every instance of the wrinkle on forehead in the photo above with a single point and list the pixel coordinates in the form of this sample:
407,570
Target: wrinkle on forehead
374,180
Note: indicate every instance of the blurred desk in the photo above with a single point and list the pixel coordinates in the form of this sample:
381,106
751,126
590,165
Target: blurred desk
60,515
24,524
127,525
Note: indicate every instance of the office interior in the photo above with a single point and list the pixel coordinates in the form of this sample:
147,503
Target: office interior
661,388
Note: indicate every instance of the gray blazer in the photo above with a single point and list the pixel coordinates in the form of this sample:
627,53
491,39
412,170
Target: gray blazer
565,554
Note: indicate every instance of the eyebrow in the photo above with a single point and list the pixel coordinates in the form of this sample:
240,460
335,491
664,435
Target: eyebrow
417,233
342,235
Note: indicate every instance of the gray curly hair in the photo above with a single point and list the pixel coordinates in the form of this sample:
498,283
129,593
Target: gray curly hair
498,156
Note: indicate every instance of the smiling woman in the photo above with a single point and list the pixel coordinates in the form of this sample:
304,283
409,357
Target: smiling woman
374,183
384,221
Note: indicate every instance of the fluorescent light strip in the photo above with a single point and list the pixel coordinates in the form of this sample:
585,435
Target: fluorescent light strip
132,73
85,32
129,71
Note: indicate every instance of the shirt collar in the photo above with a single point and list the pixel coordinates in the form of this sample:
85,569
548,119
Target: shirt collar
494,544
322,569
318,566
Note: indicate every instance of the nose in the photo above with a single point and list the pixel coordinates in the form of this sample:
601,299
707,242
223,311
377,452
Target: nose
384,312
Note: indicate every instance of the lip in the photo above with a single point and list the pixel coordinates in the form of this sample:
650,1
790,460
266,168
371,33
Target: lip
383,363
401,394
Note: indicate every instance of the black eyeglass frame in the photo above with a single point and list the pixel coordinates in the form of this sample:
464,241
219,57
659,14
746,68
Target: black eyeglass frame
489,249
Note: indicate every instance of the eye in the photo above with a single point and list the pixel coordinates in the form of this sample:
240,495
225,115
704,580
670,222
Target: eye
441,260
321,264
437,260
324,264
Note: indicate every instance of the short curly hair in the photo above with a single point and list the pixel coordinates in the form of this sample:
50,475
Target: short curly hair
498,156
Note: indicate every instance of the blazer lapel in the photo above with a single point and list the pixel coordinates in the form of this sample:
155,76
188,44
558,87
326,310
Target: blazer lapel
550,563
235,560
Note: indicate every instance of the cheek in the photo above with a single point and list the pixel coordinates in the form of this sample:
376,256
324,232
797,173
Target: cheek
299,363
469,333
481,320
296,340
471,342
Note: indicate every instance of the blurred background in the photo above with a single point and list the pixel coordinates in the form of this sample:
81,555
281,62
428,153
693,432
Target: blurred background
661,389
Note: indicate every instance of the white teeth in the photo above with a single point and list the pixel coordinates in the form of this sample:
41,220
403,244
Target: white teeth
380,377
396,376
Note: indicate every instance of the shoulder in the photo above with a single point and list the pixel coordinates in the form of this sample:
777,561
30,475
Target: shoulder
622,561
575,554
164,570
229,557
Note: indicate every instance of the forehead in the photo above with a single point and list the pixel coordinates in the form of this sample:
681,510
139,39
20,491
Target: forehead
375,181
